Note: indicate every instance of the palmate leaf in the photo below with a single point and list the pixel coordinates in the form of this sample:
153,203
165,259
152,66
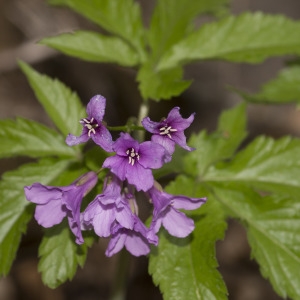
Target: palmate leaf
185,268
15,210
92,46
61,104
161,85
273,225
177,16
29,138
265,164
122,18
283,89
220,145
249,37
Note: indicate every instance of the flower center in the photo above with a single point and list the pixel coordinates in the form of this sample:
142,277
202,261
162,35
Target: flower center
90,125
167,130
132,156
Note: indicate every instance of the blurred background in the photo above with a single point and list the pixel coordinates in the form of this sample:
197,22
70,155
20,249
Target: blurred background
22,24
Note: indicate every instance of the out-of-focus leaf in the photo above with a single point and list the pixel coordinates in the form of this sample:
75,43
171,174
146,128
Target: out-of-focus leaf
15,211
92,46
61,104
249,37
29,138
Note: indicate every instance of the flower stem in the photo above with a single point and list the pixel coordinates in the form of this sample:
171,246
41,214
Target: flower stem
144,110
119,287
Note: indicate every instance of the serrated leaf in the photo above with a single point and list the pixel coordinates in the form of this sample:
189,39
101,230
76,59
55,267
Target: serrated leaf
219,145
173,20
29,138
283,89
161,85
265,164
60,255
249,37
185,268
15,210
92,46
122,18
273,224
61,104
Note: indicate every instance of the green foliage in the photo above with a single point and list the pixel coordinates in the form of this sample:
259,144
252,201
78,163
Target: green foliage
122,18
273,225
220,145
283,89
29,138
92,46
60,255
249,37
61,104
185,268
15,210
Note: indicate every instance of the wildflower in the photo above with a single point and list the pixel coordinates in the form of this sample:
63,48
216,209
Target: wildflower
166,211
134,161
135,240
93,127
169,131
108,207
55,203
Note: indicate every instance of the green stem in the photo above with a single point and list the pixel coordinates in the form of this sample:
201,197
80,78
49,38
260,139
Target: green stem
119,287
144,110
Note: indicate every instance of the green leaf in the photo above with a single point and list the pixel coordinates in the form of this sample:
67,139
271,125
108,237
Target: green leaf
61,104
60,255
29,138
283,89
186,268
219,145
265,164
161,85
172,21
92,46
273,224
15,210
249,37
122,18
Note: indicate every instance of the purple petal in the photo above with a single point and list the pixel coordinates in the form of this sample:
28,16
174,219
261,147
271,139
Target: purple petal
151,155
183,202
177,223
103,221
41,194
125,142
175,119
140,177
167,143
103,138
151,126
116,243
117,165
124,217
137,245
96,108
50,214
73,140
75,226
180,139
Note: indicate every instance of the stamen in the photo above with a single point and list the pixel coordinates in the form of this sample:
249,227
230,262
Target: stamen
90,125
166,130
132,155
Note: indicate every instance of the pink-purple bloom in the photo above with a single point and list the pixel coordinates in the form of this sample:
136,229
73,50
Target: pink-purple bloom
166,212
134,161
55,203
93,127
169,131
137,240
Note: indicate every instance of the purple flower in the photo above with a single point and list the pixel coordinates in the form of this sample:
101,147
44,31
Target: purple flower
166,212
93,127
135,240
107,208
169,131
55,203
134,161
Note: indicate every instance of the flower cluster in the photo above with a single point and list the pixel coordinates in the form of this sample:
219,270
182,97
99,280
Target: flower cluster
114,213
